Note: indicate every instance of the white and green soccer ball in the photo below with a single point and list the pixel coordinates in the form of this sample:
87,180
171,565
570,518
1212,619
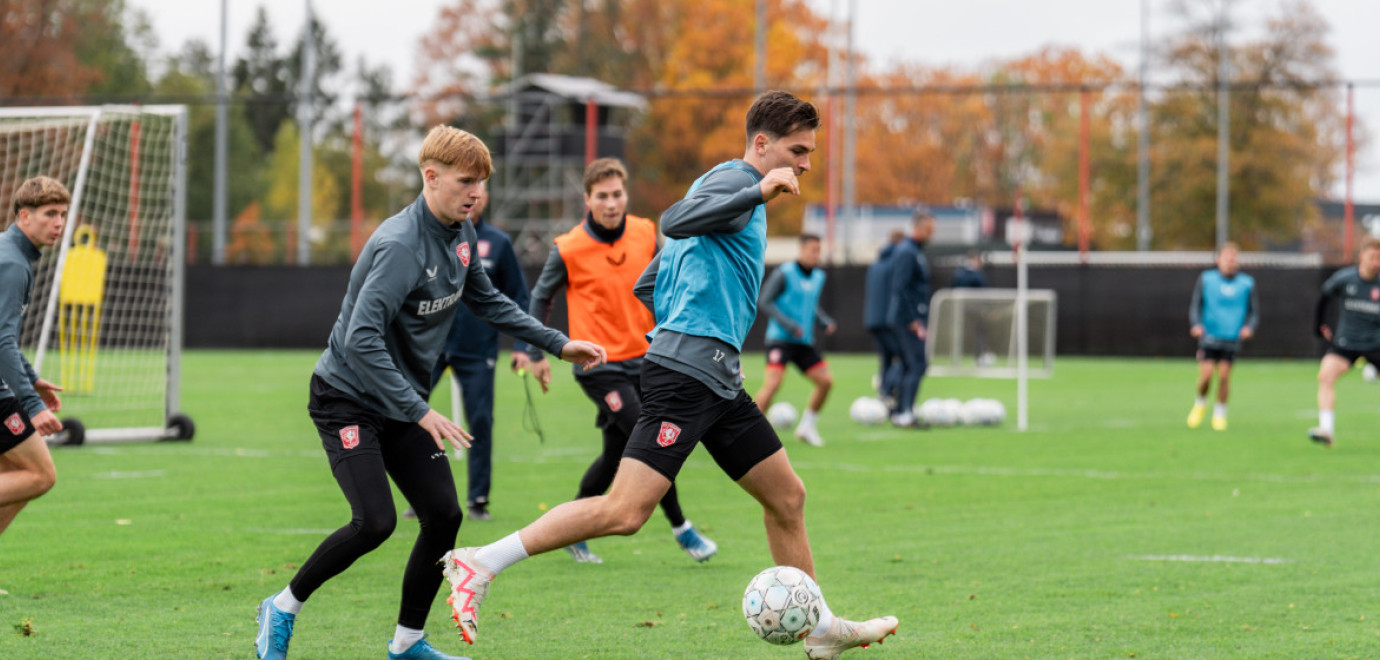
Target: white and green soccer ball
868,411
782,605
782,414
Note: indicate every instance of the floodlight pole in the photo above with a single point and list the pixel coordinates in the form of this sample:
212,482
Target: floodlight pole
1022,320
759,72
304,102
1223,126
850,107
1143,138
218,215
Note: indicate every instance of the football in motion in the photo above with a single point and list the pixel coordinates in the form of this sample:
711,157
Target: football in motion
782,605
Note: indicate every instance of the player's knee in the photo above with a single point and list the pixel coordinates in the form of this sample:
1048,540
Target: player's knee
444,520
44,480
788,500
824,380
376,527
628,518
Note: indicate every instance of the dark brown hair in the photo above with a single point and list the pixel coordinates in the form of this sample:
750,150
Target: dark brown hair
777,114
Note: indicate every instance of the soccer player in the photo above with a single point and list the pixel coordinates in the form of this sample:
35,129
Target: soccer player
27,402
875,303
1224,312
908,314
471,352
790,297
369,389
1357,333
704,289
597,263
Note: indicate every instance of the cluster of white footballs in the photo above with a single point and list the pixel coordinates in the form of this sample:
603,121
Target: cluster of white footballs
953,412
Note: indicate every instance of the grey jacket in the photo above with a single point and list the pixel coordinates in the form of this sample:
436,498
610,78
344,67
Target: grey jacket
399,307
17,257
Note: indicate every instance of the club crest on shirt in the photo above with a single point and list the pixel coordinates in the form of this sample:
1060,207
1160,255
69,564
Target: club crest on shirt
349,437
615,402
775,356
463,252
668,434
14,424
483,249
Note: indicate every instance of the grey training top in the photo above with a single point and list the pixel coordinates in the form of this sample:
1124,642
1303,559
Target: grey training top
723,202
17,376
400,305
1358,322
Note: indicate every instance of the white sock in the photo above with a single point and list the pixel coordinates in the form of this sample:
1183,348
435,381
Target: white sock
678,530
502,553
404,638
807,418
826,621
1219,410
1325,420
1200,401
287,602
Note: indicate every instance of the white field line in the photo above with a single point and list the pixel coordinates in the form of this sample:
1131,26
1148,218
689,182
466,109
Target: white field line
113,474
1212,559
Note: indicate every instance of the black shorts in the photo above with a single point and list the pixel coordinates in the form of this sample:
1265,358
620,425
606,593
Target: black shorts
15,425
1351,356
803,356
348,427
1216,355
679,412
618,395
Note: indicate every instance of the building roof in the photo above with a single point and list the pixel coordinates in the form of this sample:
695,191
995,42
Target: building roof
580,89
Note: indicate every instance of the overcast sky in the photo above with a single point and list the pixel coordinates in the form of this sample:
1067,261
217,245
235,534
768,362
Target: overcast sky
963,34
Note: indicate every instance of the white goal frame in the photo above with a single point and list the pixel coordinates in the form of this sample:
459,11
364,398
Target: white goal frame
176,425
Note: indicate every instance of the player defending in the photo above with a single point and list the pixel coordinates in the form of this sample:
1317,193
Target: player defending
703,287
597,263
1223,313
1357,333
370,387
27,402
790,297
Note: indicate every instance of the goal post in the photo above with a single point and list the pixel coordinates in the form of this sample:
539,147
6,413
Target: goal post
982,333
105,320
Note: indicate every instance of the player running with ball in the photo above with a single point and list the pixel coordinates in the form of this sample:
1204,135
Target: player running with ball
703,289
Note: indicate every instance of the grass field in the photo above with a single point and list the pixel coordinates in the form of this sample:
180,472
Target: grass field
1109,530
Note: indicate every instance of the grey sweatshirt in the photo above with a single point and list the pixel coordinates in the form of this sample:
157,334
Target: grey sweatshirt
399,307
17,377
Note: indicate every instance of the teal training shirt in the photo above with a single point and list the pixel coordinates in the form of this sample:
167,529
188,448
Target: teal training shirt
399,307
707,285
1223,306
794,306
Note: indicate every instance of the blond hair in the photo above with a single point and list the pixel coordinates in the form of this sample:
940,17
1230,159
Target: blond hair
1370,243
40,191
603,168
451,147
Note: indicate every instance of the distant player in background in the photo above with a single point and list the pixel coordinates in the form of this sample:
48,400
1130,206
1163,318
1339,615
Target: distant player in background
597,263
876,300
909,313
369,390
1357,333
471,352
1223,313
27,402
703,287
790,297
969,275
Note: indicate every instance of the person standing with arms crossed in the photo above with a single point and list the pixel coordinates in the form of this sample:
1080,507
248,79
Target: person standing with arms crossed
703,288
27,402
369,389
1223,313
597,263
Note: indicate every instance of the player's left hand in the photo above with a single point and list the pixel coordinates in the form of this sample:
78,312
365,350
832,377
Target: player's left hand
48,392
521,362
1247,333
584,353
831,328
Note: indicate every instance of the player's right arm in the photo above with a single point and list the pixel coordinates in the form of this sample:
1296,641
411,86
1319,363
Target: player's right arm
14,369
723,203
1195,310
553,278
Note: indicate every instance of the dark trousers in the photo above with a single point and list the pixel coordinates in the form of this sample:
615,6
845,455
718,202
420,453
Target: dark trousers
913,366
889,350
476,376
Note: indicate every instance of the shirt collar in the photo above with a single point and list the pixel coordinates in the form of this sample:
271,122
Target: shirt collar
433,225
22,240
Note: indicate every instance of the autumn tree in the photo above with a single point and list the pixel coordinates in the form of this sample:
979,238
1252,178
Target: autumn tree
72,48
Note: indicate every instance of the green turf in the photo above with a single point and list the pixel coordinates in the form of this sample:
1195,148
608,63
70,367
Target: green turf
987,543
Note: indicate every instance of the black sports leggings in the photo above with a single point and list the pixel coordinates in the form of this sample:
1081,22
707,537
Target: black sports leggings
423,474
617,427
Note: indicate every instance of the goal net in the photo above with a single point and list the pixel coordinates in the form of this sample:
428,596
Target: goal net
973,332
105,320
